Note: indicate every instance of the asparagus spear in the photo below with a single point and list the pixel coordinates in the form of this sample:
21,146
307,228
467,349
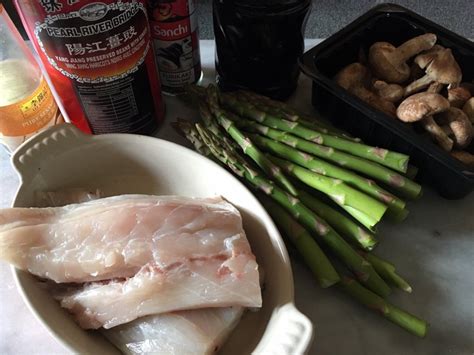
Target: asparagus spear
342,224
320,229
312,254
246,144
345,226
277,108
395,205
396,315
387,271
213,126
364,208
188,130
396,181
385,157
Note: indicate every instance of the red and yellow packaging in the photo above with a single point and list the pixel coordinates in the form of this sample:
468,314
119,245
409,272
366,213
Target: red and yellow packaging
99,58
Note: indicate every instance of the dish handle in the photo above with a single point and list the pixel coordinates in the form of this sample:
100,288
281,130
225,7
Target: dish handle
289,333
47,144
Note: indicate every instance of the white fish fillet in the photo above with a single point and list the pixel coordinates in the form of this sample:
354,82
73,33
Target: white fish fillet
202,283
197,332
170,253
193,332
115,236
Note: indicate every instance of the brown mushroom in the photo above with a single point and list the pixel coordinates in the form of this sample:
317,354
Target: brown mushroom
423,59
439,66
468,109
421,107
458,96
354,78
389,63
457,126
435,87
417,106
389,92
465,157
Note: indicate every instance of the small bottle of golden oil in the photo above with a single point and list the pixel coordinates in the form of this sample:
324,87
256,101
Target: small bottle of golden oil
27,105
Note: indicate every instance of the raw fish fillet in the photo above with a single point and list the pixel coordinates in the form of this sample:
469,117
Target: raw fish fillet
162,253
196,332
193,332
192,284
115,236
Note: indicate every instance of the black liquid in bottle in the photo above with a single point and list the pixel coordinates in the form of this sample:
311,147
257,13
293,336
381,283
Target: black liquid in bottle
258,44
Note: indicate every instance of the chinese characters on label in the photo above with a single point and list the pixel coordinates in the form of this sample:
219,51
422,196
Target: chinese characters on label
54,5
51,5
110,42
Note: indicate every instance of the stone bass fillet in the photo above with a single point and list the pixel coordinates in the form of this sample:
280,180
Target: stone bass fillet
138,254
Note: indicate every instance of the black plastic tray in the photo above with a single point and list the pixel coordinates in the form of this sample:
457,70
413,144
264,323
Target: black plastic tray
394,24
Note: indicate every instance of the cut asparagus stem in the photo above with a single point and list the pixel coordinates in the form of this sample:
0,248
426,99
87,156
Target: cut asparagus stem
387,271
312,254
396,315
246,144
343,225
322,167
412,171
378,172
361,206
385,157
312,222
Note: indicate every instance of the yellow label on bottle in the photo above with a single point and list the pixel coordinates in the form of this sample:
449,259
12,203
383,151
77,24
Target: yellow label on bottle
30,114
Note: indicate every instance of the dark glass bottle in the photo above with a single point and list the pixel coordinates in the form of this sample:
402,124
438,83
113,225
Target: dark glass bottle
258,44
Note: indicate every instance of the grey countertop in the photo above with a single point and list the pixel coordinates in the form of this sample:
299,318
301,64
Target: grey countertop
328,16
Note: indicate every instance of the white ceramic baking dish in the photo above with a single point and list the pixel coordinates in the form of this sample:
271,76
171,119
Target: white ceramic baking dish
63,157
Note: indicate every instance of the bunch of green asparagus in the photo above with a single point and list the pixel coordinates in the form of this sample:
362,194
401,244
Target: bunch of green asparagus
326,190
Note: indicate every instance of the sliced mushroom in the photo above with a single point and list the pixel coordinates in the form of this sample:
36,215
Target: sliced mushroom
421,107
465,157
389,92
460,128
354,78
441,67
458,96
468,109
389,63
